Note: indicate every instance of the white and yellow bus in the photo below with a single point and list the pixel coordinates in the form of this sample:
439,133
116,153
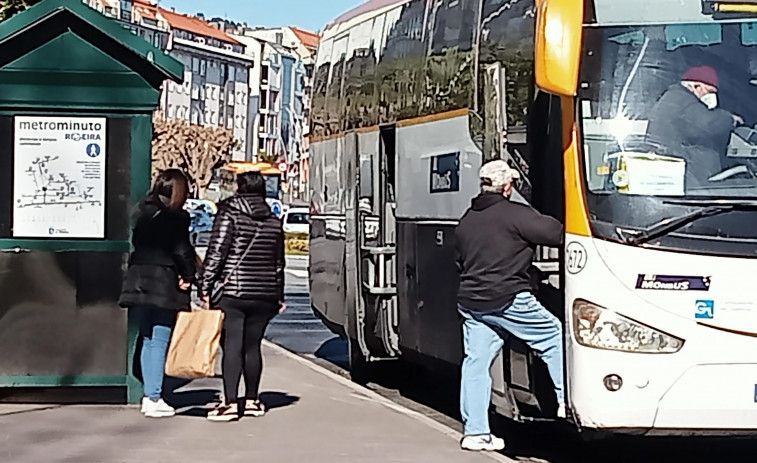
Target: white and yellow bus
656,281
228,177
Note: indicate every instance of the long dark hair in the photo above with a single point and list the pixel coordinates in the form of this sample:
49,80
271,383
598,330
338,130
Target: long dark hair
171,189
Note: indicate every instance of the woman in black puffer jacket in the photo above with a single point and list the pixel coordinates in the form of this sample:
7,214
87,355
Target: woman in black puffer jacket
245,255
161,270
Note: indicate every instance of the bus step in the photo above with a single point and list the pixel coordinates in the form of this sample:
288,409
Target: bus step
379,291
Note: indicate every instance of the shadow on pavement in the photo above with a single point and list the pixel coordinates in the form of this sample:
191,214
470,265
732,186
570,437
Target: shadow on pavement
335,351
273,400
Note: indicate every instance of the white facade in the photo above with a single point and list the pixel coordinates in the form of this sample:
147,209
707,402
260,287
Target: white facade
215,91
280,97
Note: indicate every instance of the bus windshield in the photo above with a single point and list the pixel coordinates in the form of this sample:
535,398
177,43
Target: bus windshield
273,186
667,114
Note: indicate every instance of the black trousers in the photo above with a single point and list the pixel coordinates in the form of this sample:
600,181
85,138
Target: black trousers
244,325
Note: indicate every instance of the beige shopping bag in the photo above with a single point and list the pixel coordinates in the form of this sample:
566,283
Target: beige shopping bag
194,344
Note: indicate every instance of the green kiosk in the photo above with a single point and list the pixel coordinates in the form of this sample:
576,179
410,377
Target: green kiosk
77,94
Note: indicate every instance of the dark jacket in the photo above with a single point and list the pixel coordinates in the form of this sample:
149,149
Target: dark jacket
681,125
260,276
495,244
162,253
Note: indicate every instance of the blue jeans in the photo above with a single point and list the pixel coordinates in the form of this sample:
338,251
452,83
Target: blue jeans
155,326
483,334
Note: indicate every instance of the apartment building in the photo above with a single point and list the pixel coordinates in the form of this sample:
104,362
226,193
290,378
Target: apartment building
280,91
216,88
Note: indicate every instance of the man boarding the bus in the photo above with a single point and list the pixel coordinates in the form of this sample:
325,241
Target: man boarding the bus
495,244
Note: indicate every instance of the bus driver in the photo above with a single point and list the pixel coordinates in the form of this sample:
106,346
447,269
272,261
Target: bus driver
686,122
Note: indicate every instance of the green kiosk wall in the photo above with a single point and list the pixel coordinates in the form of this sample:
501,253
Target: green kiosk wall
77,93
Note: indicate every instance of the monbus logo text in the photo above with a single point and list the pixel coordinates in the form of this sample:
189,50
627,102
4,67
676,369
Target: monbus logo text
673,283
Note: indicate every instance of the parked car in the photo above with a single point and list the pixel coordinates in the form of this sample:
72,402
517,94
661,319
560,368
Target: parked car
202,214
297,220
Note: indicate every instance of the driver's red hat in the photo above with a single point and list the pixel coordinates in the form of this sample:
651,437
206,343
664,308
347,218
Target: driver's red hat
704,74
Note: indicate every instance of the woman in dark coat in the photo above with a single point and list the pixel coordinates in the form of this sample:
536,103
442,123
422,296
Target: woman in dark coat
161,270
246,254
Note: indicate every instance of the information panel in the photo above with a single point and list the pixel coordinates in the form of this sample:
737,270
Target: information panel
59,177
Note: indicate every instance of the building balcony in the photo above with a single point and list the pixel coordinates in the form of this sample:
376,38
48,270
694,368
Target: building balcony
270,85
271,64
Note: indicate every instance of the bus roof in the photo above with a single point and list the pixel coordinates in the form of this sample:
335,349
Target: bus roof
364,9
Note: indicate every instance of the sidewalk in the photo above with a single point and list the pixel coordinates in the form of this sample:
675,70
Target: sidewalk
316,417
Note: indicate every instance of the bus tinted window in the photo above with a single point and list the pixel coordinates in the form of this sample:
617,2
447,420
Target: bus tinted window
449,66
360,76
320,82
400,71
334,102
504,96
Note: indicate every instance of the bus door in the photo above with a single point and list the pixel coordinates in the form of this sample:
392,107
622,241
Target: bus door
371,246
521,385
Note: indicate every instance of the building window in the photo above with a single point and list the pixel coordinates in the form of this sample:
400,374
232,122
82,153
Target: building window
230,123
261,144
279,38
195,64
203,65
156,41
126,10
195,116
195,91
171,111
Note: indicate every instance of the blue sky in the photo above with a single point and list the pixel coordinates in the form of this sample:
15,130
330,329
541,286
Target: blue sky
307,14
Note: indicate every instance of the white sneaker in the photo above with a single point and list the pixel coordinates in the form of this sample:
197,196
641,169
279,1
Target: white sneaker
144,405
485,442
562,411
158,409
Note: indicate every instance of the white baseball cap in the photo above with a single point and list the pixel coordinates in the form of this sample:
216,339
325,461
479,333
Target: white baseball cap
499,173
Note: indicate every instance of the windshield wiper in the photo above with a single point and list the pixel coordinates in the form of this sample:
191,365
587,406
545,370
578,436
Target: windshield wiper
707,208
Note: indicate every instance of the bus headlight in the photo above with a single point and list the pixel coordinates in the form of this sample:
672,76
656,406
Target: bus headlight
595,326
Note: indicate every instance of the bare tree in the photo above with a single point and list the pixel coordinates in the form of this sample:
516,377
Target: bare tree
195,149
10,7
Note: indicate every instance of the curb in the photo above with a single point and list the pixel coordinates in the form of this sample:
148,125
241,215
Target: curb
379,398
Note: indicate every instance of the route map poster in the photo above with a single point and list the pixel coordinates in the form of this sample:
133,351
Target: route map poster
59,177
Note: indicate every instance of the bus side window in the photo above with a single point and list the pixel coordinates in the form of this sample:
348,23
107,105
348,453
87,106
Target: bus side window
366,180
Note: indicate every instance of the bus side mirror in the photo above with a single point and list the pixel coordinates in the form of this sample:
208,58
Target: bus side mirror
559,31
